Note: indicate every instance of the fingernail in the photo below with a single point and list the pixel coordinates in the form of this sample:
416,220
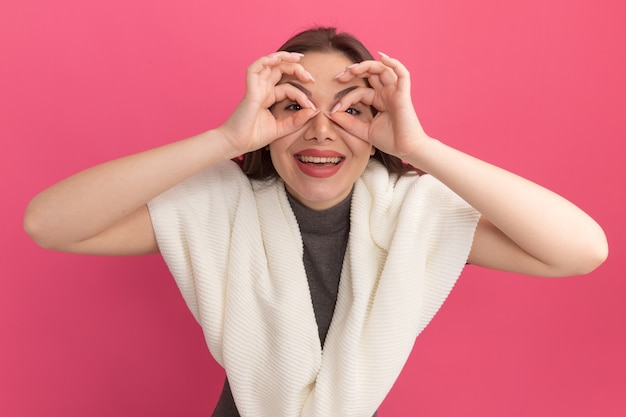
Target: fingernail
352,65
335,108
308,74
310,103
383,54
339,75
297,53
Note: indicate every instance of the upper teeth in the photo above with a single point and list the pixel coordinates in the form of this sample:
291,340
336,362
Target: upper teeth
320,159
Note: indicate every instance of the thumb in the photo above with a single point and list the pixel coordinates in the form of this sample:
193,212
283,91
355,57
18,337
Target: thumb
351,124
293,123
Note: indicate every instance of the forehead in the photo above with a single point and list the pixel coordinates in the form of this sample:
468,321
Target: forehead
323,66
325,59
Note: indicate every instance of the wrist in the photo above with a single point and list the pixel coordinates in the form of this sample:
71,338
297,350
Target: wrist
218,144
423,152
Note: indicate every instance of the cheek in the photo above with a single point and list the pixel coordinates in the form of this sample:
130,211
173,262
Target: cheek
359,148
361,156
278,147
279,152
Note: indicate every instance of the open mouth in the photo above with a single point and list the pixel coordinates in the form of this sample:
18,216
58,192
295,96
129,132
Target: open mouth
320,161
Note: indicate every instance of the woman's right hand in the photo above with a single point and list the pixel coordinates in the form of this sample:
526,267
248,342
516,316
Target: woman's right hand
102,210
252,126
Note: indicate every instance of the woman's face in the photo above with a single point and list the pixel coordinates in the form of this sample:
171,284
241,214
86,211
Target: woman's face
320,162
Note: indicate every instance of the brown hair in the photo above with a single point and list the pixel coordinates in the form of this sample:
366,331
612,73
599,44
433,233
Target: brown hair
258,164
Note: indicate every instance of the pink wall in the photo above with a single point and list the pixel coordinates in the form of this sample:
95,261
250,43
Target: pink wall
536,86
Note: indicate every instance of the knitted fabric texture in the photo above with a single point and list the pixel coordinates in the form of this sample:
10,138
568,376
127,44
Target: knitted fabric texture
235,250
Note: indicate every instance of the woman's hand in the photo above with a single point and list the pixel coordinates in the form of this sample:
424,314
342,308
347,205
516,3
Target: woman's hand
395,129
252,125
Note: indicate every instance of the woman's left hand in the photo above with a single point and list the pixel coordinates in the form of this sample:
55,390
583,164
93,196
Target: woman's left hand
395,129
524,228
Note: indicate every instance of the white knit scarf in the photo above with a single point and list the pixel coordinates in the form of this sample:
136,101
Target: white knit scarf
236,253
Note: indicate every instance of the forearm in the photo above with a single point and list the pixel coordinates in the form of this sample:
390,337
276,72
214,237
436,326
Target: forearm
90,202
542,223
524,227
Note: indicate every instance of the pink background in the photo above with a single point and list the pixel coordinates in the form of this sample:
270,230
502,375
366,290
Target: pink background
533,85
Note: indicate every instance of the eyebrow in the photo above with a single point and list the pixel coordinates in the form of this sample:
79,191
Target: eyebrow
308,93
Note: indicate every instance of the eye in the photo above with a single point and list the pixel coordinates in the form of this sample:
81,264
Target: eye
293,107
353,111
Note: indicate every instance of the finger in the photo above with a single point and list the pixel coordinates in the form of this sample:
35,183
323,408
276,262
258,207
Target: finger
394,63
276,72
362,95
275,65
353,125
296,121
288,64
403,74
281,56
375,82
367,69
260,85
289,92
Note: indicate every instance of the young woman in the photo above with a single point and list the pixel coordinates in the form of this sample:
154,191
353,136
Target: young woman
314,262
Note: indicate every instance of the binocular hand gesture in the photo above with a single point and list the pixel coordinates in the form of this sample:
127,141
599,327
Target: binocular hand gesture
395,129
252,125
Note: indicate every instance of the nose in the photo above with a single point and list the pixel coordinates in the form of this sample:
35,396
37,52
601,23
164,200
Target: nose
320,128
